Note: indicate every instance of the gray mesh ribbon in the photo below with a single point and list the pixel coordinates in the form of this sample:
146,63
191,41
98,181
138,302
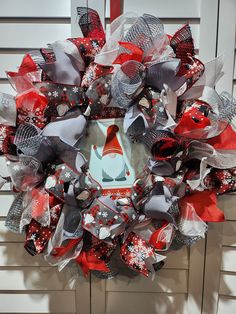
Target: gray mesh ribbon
145,32
13,218
127,83
7,109
28,139
227,107
25,172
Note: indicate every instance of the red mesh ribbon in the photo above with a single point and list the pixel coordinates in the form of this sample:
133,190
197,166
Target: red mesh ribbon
27,66
89,261
154,240
204,203
225,140
30,108
133,53
62,250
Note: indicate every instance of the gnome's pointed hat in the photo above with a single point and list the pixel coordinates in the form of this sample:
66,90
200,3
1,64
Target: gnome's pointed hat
112,145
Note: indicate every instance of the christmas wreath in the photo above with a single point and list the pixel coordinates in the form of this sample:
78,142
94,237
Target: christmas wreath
116,149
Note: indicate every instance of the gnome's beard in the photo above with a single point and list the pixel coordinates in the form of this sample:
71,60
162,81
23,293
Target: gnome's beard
113,165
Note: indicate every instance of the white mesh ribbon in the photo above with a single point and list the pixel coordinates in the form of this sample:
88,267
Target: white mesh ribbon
221,159
28,139
25,172
24,83
7,109
118,28
212,73
166,236
146,32
35,206
61,235
191,224
198,184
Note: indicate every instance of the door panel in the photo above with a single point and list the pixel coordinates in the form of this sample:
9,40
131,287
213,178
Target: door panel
220,272
29,285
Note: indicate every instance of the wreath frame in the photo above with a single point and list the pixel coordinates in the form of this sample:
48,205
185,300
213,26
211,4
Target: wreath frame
152,81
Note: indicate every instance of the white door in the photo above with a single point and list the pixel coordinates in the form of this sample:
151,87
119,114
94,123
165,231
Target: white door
177,288
28,285
220,271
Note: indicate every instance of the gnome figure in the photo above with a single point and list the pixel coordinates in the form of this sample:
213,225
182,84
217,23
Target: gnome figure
64,105
113,163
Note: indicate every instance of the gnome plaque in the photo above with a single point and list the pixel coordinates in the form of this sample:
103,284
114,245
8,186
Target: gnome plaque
113,160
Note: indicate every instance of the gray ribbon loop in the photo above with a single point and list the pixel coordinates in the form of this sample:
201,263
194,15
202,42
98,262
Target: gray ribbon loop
127,83
69,128
158,203
165,73
65,69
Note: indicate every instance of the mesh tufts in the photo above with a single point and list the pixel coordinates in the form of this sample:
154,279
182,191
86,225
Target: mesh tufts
145,31
127,82
28,139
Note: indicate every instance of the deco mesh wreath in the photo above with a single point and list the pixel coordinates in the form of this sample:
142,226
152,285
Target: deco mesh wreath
116,149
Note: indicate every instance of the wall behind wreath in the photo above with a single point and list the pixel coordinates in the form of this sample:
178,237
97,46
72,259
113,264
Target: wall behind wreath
185,285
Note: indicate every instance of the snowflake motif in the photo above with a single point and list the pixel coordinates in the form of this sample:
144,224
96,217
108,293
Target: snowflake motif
67,175
38,248
226,181
104,214
95,44
55,94
161,109
33,236
75,89
3,132
90,76
54,214
139,253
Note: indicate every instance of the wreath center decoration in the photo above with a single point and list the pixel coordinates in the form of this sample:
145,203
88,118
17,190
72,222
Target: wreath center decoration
116,149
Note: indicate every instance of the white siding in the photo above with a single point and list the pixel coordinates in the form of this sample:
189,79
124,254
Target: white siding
234,80
226,43
28,284
220,269
177,288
